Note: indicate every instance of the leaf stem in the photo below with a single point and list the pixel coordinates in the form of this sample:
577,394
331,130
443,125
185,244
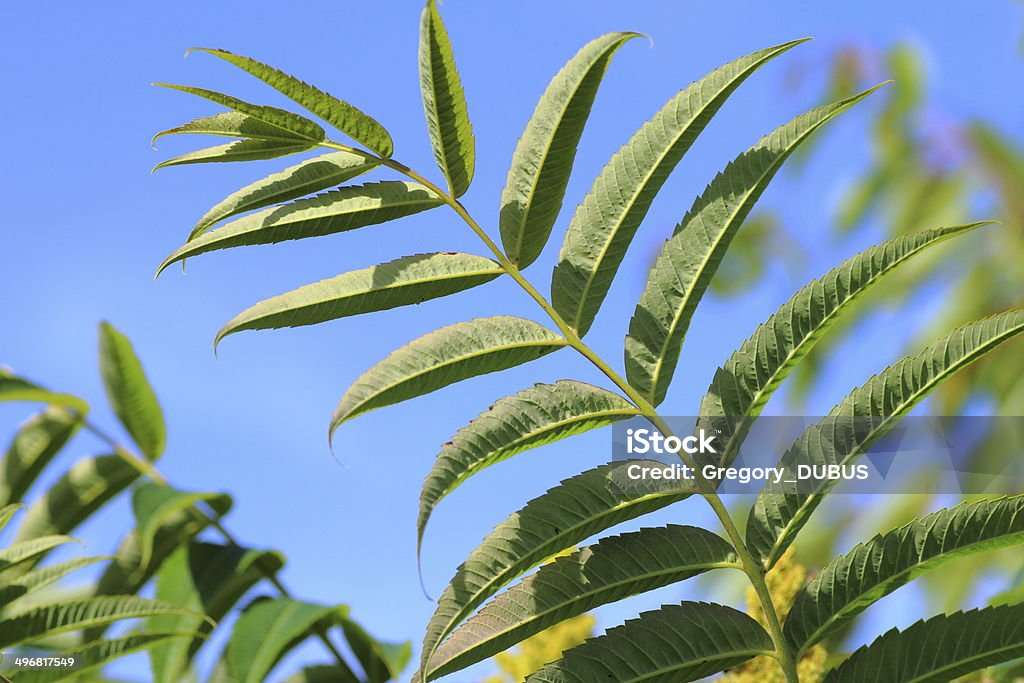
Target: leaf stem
751,567
200,512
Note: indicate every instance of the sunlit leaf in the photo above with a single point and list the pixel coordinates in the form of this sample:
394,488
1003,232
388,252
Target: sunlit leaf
33,447
130,393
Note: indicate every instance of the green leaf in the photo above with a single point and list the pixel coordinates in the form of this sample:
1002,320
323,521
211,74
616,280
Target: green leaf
381,662
542,162
743,385
338,113
231,124
292,125
307,177
130,393
404,281
446,356
576,509
33,447
268,630
240,150
323,673
346,208
540,415
14,388
7,512
852,582
154,504
444,102
12,590
85,488
95,655
127,573
208,579
689,259
781,510
604,224
613,569
22,552
942,648
676,643
77,614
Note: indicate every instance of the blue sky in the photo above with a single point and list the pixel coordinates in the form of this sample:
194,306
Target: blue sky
86,224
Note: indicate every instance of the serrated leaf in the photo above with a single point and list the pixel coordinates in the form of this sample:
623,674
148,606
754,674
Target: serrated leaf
604,224
540,415
852,582
307,177
14,388
130,393
676,643
85,488
267,630
446,356
240,150
154,504
613,569
77,614
781,510
208,579
33,447
289,123
402,282
7,512
95,655
942,648
12,590
231,124
744,383
444,103
16,556
689,259
544,155
340,114
576,509
346,208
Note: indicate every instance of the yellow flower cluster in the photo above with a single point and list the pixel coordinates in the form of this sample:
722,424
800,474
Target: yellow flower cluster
784,581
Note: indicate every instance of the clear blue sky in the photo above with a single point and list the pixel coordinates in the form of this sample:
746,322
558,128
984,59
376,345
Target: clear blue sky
86,224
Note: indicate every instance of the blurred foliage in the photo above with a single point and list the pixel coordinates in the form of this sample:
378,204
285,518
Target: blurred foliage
927,167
